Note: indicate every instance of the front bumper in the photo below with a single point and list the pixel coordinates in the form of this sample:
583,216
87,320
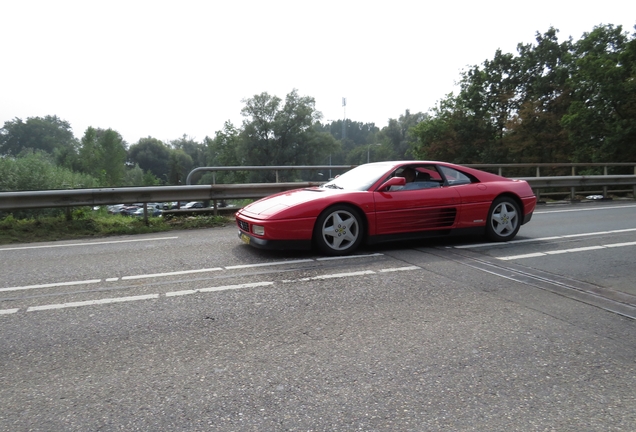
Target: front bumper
274,244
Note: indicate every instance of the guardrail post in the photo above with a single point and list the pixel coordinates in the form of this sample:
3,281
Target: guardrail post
500,171
277,177
538,171
146,213
572,189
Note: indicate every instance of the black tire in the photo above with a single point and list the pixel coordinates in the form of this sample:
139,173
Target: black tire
339,230
504,219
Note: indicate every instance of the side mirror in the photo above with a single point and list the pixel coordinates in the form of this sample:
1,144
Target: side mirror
393,181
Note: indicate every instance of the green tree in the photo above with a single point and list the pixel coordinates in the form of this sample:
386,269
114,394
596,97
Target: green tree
453,133
102,154
179,166
135,176
223,151
397,135
38,171
151,155
49,134
283,134
601,120
535,133
196,150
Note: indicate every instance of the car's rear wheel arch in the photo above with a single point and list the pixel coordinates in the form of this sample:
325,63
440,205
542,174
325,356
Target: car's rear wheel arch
514,197
318,237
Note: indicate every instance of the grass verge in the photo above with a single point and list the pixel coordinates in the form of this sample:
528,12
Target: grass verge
53,228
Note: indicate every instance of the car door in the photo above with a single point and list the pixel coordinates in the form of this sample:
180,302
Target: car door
475,197
413,210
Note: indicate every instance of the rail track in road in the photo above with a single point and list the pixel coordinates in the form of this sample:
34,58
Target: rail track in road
610,300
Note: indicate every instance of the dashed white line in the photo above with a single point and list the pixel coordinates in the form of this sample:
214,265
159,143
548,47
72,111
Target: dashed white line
584,209
478,245
580,249
564,251
195,291
177,273
8,311
621,244
87,244
244,266
51,285
93,302
388,270
347,257
337,275
219,288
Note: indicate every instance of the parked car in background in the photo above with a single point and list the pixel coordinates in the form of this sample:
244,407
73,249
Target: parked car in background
152,211
193,204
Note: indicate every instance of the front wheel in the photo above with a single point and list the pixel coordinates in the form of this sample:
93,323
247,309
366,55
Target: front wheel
503,220
338,230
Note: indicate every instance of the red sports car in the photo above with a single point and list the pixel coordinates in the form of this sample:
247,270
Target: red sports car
388,201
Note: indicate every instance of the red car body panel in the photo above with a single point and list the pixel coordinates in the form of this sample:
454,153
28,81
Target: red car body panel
289,218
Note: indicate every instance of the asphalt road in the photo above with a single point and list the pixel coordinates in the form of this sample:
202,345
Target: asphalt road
193,330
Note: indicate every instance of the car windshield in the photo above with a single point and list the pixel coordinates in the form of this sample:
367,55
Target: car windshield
360,178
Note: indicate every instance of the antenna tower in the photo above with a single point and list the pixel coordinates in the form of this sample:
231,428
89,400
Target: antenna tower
344,118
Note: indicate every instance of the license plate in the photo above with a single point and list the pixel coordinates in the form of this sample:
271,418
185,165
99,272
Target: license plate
245,238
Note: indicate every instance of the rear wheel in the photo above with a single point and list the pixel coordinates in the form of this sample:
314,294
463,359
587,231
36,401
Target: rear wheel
504,220
338,230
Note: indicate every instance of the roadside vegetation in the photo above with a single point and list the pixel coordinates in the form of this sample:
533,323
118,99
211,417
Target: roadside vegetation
86,224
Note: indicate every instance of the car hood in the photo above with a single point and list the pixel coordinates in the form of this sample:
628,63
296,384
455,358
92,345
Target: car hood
279,204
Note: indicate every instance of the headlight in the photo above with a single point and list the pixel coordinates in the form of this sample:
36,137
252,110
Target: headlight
258,230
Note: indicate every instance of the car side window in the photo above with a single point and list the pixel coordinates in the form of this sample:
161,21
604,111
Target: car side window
454,177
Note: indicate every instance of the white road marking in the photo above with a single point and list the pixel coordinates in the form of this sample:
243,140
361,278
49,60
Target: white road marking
177,273
267,264
478,245
584,209
8,311
348,257
563,251
581,249
337,275
220,288
621,244
195,291
154,275
87,244
51,285
93,302
388,270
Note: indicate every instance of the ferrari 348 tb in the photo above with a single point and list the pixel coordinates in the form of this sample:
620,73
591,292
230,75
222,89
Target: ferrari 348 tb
389,201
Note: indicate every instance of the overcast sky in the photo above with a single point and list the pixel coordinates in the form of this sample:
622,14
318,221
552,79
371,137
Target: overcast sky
169,68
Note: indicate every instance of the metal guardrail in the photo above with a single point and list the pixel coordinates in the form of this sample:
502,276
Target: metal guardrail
128,195
106,196
494,167
537,166
586,182
275,168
